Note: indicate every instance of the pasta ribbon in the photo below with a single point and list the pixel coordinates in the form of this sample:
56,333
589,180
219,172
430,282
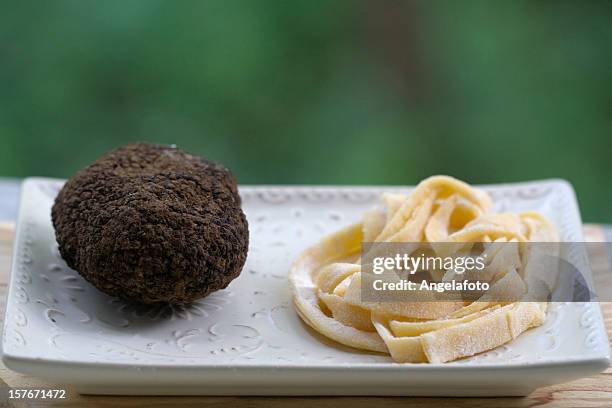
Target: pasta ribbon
443,216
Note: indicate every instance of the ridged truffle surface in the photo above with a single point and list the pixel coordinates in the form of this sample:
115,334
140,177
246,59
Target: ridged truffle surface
151,224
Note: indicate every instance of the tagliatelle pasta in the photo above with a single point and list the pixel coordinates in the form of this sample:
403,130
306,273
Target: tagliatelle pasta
444,216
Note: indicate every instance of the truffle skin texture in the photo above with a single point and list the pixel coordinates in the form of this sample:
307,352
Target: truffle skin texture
152,224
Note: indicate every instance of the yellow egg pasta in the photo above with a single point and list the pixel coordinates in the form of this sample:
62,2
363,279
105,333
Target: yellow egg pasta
445,216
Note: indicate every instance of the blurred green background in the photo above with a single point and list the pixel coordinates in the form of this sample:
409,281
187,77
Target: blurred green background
316,92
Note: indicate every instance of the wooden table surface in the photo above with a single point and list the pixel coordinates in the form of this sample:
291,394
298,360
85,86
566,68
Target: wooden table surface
595,391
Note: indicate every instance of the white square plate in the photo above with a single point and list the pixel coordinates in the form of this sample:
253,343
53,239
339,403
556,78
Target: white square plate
248,339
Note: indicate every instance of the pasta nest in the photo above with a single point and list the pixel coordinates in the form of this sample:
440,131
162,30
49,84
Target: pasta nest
444,216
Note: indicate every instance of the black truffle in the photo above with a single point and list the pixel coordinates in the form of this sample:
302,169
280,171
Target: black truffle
151,224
